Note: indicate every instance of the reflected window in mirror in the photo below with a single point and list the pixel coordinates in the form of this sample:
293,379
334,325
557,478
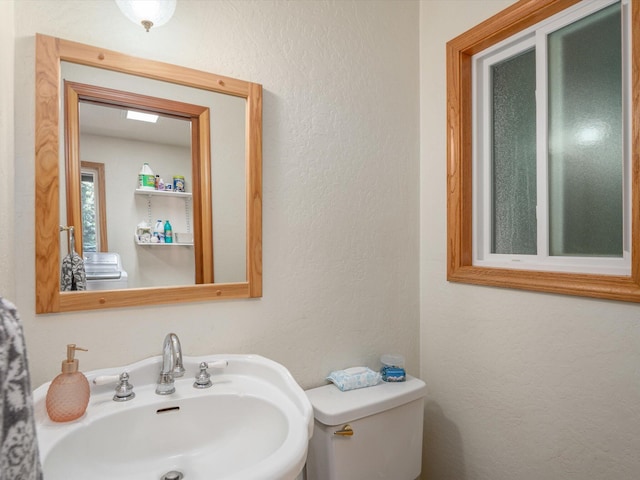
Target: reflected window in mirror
94,213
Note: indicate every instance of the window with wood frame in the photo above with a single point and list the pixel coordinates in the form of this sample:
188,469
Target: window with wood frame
542,149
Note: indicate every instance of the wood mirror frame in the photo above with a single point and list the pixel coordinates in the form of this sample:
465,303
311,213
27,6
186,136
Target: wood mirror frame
50,51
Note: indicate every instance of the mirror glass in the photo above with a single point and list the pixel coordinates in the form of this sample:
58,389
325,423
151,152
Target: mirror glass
124,145
88,157
104,139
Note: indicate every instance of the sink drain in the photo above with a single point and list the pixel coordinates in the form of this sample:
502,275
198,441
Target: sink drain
172,475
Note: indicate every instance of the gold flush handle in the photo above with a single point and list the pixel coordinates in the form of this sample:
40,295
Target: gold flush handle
345,431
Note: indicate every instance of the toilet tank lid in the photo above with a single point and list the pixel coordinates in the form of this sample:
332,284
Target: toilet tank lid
334,407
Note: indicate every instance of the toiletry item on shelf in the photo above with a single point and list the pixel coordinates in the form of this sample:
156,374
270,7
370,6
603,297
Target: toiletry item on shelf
146,178
392,368
143,231
158,231
354,377
178,184
168,232
68,394
161,184
157,182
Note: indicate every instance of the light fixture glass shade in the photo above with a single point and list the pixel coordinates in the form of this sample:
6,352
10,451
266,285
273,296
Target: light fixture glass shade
148,13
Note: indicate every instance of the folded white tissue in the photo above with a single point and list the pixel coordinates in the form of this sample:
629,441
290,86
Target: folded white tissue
354,377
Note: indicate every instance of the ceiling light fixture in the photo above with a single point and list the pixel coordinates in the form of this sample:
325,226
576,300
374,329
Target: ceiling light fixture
148,13
143,117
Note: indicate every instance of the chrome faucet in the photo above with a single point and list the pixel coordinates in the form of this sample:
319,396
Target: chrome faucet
171,364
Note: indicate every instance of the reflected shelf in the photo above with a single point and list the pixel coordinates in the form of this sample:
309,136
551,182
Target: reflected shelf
161,244
163,193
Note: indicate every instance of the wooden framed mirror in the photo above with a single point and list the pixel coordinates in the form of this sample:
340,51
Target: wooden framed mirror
49,136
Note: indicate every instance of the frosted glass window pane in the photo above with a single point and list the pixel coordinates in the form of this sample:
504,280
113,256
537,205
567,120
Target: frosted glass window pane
514,155
585,137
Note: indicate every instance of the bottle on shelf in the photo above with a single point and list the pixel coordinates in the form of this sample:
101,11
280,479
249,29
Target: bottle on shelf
179,184
158,231
168,232
146,178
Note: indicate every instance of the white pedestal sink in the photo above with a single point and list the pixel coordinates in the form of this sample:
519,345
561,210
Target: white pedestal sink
255,422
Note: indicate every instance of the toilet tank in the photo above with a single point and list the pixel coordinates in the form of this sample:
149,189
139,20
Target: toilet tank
386,426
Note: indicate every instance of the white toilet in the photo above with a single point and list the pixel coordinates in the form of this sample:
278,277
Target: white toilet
368,433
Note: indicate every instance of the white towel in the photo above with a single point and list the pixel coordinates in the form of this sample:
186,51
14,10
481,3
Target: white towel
19,457
354,377
72,273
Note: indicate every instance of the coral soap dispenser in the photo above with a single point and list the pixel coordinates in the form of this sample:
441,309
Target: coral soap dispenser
68,394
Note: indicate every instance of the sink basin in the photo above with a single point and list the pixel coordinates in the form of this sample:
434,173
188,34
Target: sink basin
255,422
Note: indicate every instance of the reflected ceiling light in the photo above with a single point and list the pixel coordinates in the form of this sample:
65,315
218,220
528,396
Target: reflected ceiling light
147,13
143,117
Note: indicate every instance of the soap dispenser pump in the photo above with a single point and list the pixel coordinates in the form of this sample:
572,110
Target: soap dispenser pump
68,394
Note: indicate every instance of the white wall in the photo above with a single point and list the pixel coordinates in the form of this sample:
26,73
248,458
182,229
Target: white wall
7,178
340,182
522,386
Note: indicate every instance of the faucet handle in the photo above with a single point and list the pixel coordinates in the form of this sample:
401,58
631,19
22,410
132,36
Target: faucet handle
217,364
203,379
124,390
105,379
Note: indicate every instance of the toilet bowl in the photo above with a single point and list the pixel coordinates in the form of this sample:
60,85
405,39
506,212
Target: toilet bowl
368,433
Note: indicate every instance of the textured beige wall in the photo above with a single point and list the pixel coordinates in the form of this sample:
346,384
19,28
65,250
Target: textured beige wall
523,386
7,190
340,203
